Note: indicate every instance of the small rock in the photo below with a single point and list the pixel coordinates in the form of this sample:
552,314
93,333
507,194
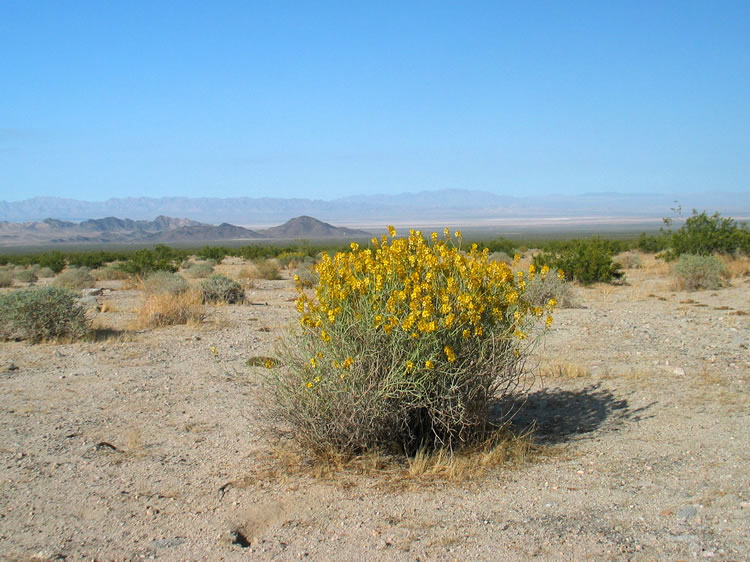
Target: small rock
679,371
12,367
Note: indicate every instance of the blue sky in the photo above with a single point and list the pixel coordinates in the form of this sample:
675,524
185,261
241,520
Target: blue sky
327,99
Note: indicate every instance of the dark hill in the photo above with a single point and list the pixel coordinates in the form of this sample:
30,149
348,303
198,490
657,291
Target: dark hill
309,227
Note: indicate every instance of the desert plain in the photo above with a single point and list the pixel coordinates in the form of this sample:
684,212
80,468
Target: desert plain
148,443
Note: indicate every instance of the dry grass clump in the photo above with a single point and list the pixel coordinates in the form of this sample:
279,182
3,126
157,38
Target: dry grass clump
167,309
164,282
736,267
541,289
630,260
199,270
25,275
75,279
563,370
45,273
6,279
268,269
109,273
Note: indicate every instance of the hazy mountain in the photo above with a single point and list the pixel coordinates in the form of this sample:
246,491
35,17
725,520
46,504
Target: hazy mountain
428,206
309,227
161,230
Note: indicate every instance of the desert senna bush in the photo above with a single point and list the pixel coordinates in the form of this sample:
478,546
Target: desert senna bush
404,344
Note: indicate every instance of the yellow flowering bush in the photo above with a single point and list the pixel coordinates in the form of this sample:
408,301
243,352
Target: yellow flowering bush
404,344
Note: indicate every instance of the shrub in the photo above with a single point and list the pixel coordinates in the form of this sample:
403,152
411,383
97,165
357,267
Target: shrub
54,260
630,261
45,273
699,272
500,256
26,275
704,235
75,279
6,279
164,282
652,244
41,314
169,309
199,270
305,276
405,345
109,273
542,288
268,269
587,261
216,253
220,288
290,258
142,262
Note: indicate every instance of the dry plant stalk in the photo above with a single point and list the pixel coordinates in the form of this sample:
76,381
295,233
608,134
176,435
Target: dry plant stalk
167,310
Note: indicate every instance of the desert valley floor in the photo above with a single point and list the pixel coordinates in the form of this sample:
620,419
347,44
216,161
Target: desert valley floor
145,443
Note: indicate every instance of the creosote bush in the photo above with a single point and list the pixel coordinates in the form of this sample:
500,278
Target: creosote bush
75,279
404,345
267,269
587,261
700,272
42,314
222,289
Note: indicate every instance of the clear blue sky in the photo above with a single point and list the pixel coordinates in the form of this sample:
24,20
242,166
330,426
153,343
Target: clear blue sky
325,99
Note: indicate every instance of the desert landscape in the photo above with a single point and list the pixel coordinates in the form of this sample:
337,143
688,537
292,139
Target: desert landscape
148,442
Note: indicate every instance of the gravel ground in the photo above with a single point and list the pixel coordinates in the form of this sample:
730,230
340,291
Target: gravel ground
146,444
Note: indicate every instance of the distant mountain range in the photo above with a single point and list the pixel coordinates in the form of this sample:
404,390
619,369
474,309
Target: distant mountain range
160,230
431,206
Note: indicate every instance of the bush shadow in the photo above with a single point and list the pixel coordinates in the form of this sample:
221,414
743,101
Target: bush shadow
557,415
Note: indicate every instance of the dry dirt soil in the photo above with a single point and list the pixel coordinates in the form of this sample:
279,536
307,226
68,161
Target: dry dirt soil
148,444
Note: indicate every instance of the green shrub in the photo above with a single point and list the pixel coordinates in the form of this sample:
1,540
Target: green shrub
6,279
700,272
290,258
164,282
42,314
220,288
54,260
542,288
587,261
652,244
143,262
704,235
501,256
268,269
75,279
305,276
403,346
216,253
199,270
26,275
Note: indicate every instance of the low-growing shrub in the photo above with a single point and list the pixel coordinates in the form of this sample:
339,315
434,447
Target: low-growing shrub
267,269
705,235
142,262
25,275
6,279
54,260
404,345
542,288
164,282
290,259
587,261
501,256
169,309
652,243
75,279
220,288
630,260
45,273
700,272
199,270
305,276
42,314
109,273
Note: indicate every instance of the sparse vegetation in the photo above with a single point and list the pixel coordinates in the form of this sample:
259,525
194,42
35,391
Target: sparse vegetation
6,279
169,309
75,279
45,273
143,262
700,272
222,289
586,261
267,269
199,270
164,282
704,235
403,346
25,275
42,314
541,289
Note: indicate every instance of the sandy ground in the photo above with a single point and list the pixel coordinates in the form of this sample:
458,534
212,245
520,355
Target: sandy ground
145,444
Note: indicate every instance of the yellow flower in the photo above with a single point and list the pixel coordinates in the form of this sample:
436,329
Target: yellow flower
391,231
458,234
313,362
560,274
429,364
309,384
409,366
449,353
325,336
348,362
269,363
548,321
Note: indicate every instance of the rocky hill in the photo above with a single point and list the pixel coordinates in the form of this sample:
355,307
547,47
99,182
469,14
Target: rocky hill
309,227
